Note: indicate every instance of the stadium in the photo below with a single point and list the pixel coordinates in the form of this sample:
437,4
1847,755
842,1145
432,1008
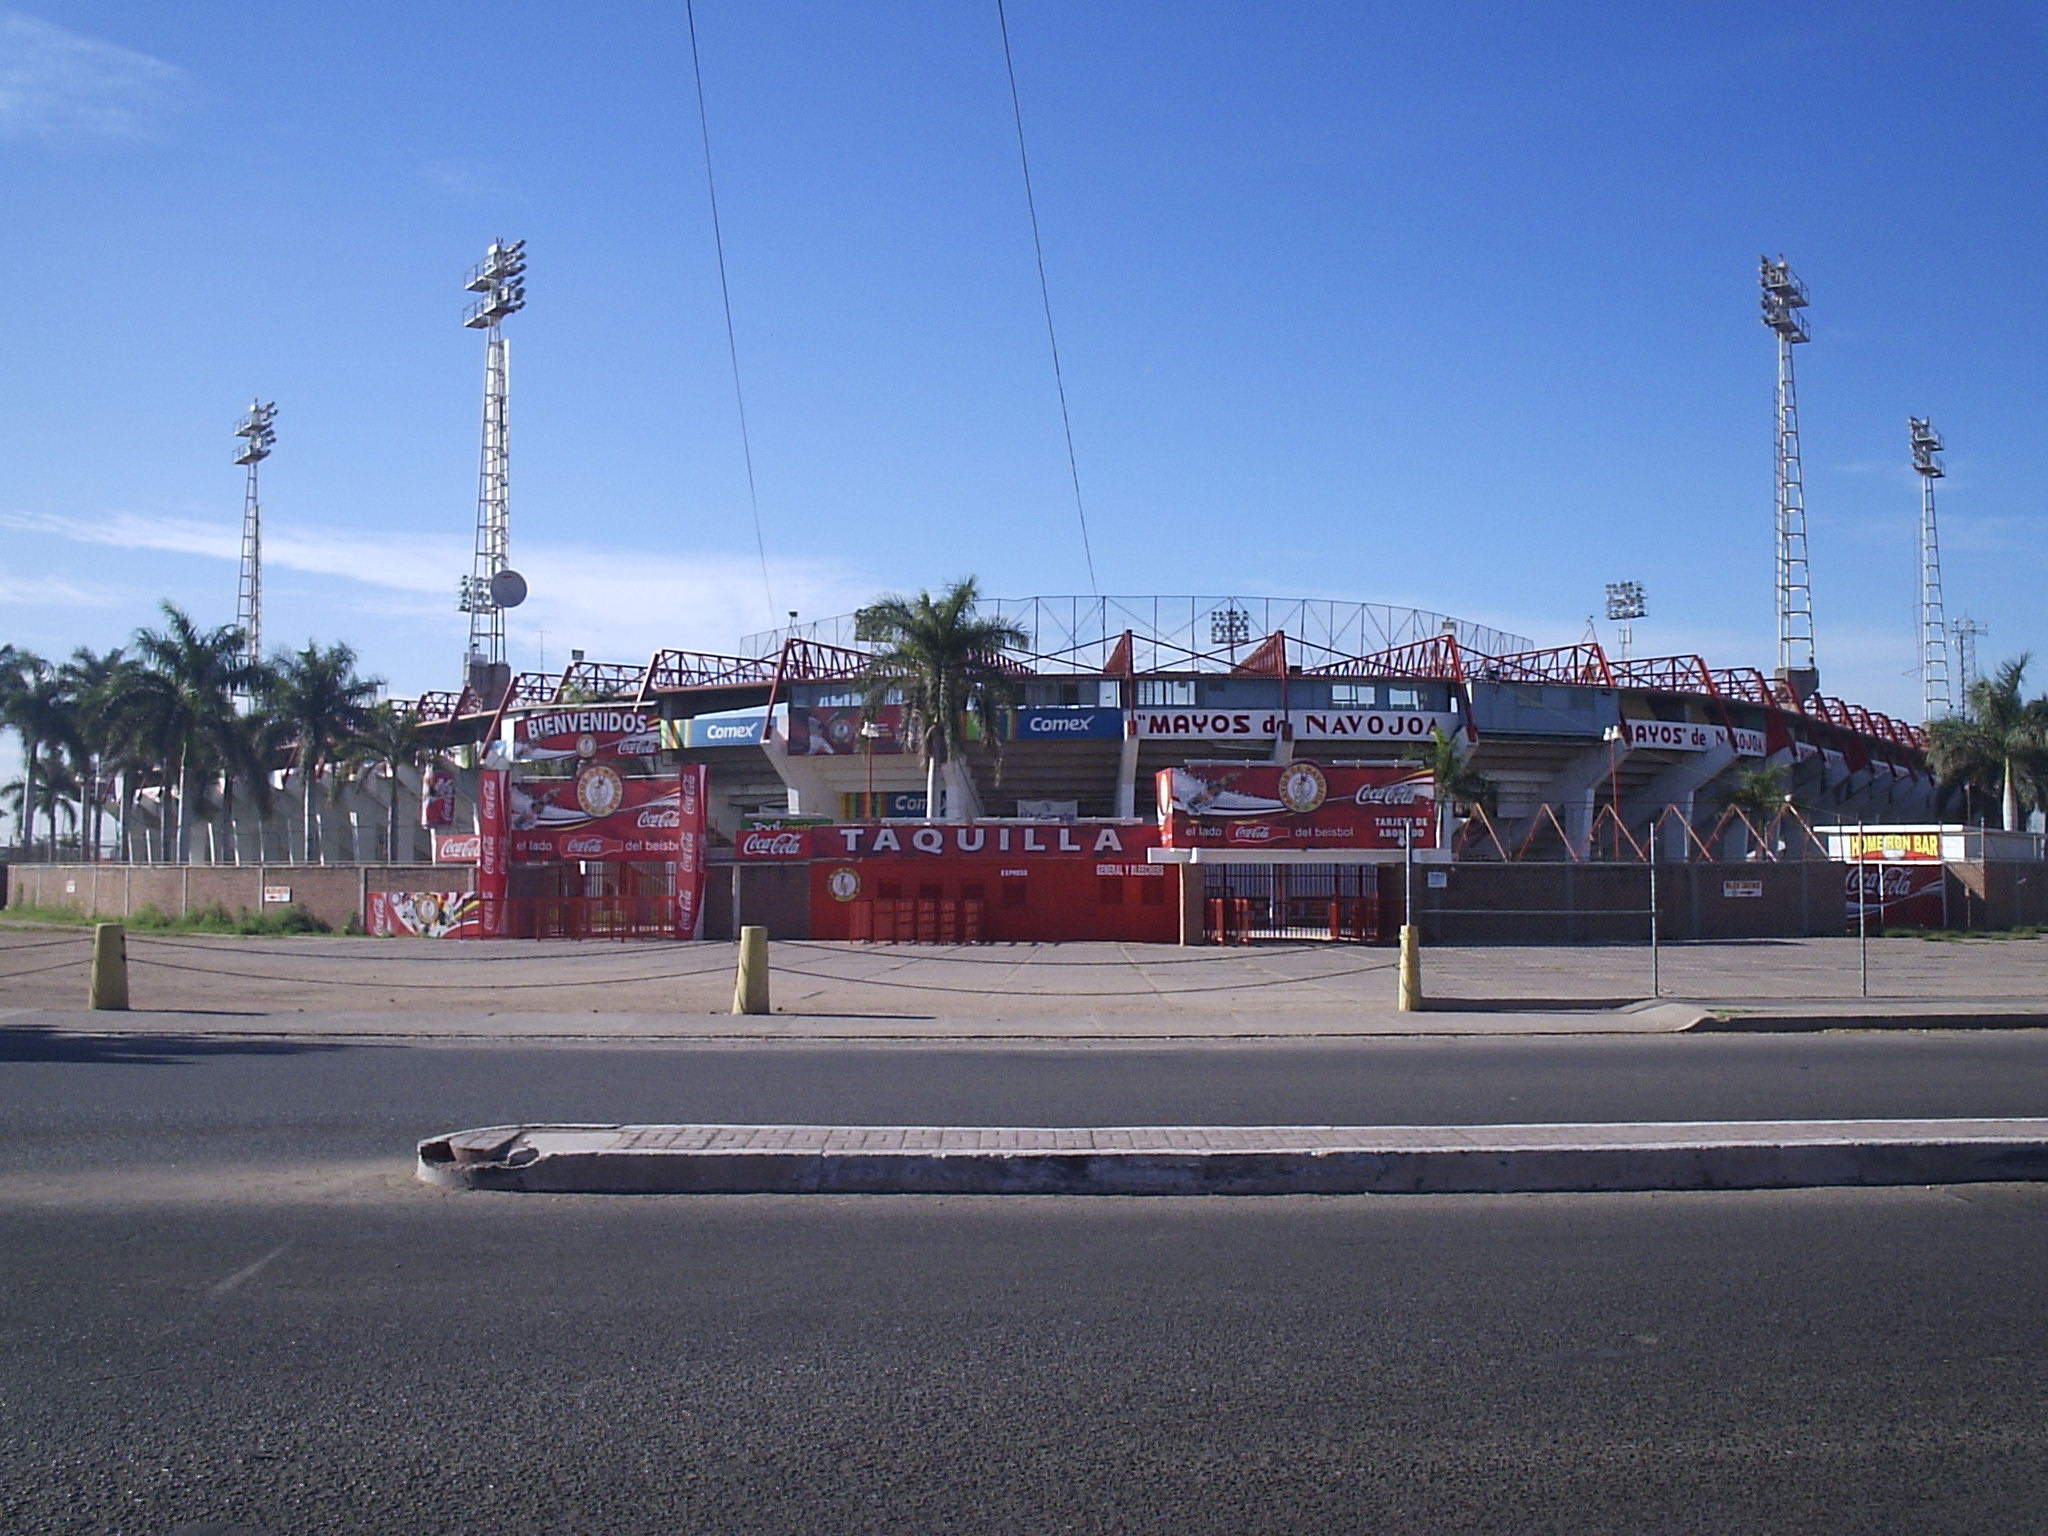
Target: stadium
1585,768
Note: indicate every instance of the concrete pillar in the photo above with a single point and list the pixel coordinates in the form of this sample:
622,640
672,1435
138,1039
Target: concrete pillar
750,984
107,989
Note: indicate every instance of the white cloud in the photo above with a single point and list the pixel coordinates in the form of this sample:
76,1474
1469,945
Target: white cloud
55,592
59,85
617,605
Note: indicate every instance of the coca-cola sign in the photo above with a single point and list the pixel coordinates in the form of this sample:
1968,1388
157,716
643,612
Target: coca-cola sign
788,843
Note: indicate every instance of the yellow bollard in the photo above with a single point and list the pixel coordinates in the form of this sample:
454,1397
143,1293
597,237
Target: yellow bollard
1411,969
108,987
750,987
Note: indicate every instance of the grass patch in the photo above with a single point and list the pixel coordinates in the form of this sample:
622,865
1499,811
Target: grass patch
1963,935
294,919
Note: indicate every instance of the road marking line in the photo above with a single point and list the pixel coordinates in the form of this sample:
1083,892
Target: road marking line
220,1288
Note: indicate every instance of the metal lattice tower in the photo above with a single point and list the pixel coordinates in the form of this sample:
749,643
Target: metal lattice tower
1965,631
1784,296
1936,700
258,434
483,595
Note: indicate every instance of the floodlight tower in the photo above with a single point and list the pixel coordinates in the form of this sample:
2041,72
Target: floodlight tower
1965,631
257,432
1935,698
1784,296
492,585
1624,606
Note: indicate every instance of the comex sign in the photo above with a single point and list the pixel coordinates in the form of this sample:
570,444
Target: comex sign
744,731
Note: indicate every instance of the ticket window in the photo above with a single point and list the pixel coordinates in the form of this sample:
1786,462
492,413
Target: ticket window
1111,890
1016,893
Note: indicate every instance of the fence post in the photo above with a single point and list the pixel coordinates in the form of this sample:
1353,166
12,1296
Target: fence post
750,986
108,987
1656,972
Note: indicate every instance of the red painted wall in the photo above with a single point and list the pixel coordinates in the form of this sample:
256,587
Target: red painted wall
1023,896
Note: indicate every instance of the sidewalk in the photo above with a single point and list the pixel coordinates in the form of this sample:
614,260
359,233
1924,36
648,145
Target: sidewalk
1106,991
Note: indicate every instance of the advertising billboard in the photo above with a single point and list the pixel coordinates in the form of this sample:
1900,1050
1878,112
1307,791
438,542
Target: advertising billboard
836,732
748,730
493,851
1897,895
692,826
1297,805
1067,725
597,814
423,914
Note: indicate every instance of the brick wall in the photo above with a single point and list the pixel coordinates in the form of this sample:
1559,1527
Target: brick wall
333,893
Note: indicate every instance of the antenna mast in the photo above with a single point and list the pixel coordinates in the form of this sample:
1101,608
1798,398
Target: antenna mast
1784,296
258,433
1936,700
492,585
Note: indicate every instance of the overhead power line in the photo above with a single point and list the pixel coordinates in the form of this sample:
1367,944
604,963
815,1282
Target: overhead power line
1045,296
732,345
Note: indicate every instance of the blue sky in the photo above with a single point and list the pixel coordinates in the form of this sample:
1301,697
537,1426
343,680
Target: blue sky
1450,305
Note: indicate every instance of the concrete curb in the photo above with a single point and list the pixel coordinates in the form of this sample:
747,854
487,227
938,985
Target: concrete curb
1765,1022
1233,1160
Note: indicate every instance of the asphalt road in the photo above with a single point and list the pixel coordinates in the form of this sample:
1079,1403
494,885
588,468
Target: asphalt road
228,1307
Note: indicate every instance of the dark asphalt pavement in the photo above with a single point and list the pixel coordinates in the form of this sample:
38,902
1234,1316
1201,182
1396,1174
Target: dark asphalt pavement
69,1096
322,1345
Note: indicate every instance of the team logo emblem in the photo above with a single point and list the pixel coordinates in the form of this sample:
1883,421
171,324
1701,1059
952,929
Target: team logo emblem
844,884
1303,787
600,790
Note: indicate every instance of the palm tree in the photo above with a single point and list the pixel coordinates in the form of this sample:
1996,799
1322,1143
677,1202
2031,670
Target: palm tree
2000,746
318,698
59,788
392,742
94,682
182,702
1459,786
34,701
946,664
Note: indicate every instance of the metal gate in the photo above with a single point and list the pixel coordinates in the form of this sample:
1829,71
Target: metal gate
593,901
1341,902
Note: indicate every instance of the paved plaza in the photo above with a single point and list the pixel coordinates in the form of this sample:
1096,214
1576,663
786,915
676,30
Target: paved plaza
525,987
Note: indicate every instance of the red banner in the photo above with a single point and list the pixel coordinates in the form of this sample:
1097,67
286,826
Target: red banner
437,799
494,855
423,914
598,814
1297,805
587,732
692,827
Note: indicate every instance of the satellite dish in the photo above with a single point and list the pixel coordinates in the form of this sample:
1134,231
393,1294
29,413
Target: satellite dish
508,588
